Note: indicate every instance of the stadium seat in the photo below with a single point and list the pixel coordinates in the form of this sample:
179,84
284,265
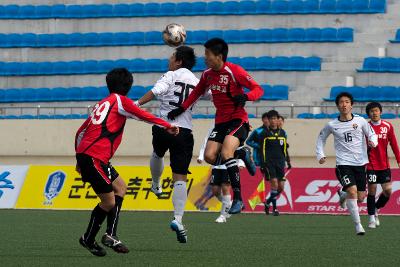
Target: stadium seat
297,63
60,40
11,11
151,9
10,117
105,38
360,6
321,116
91,11
264,35
248,36
167,9
27,40
231,36
388,94
377,6
389,64
296,7
233,7
263,7
215,33
279,35
198,8
136,9
282,63
305,115
58,11
345,35
313,35
215,8
327,6
104,10
45,40
311,6
280,7
43,12
121,10
153,38
43,95
313,63
343,6
388,116
296,35
333,115
329,35
104,66
183,9
249,63
280,92
245,7
198,37
265,63
371,64
74,11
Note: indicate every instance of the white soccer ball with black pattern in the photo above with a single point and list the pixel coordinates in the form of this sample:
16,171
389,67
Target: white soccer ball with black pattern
174,34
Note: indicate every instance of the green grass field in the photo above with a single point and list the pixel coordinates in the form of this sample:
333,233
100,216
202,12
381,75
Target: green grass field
50,238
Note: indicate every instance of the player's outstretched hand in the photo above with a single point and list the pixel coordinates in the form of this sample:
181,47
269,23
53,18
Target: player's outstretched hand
240,100
175,113
322,160
174,130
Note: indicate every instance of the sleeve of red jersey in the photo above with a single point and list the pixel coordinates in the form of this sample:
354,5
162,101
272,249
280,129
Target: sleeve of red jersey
245,79
80,132
127,108
393,143
198,91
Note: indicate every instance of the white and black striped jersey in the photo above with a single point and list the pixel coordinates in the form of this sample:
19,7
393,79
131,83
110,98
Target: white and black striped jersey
172,89
349,140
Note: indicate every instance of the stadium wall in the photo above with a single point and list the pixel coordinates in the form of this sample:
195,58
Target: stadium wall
51,142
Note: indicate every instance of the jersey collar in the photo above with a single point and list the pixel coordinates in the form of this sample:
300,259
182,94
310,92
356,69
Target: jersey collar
352,117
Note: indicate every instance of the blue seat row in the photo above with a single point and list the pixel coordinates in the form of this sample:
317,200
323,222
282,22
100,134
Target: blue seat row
295,63
368,93
278,35
397,38
386,116
91,93
385,64
155,9
44,117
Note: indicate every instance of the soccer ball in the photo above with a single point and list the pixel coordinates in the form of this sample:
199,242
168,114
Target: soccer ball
174,34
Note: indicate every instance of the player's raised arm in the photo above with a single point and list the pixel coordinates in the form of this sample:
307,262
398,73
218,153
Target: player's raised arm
393,144
321,141
370,134
161,87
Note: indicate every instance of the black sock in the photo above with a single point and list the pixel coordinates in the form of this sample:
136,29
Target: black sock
113,216
371,204
97,218
272,198
234,177
240,154
382,200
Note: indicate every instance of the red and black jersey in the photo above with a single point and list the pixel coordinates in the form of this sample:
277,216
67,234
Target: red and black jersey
100,135
225,84
378,156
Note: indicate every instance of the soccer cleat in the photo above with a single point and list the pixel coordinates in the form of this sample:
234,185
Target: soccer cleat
377,222
342,199
180,231
156,190
275,212
250,166
237,206
372,224
266,208
114,243
221,219
94,248
359,229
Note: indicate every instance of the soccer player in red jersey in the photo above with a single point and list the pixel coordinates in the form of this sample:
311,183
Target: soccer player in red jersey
95,143
226,81
378,168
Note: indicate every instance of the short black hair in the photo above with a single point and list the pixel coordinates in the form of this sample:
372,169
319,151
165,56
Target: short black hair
344,94
186,54
272,113
264,115
281,117
218,47
371,106
119,81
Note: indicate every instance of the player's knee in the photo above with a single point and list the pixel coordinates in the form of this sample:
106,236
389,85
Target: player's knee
352,192
360,199
107,205
210,158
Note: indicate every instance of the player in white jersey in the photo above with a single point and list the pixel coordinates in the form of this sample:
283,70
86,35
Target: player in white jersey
349,132
172,89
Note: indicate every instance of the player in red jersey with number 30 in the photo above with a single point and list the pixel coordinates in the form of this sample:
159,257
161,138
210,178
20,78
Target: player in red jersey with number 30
226,81
95,143
378,168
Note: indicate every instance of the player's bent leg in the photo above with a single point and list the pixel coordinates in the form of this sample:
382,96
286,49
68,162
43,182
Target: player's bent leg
244,154
352,206
371,205
211,151
382,200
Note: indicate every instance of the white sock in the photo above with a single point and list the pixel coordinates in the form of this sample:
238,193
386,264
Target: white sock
179,199
343,194
353,209
371,218
156,168
226,204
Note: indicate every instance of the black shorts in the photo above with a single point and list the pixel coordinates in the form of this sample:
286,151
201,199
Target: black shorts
97,173
219,177
379,177
352,175
274,169
180,148
236,128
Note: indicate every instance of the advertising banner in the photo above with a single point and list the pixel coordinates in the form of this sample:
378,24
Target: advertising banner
310,190
11,181
61,187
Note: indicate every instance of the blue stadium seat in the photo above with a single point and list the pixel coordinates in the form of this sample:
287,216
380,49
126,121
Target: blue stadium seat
397,39
215,8
75,67
60,40
75,94
321,116
75,39
327,6
93,39
2,93
198,8
44,68
59,94
11,11
137,92
388,116
263,7
333,115
26,117
104,66
136,9
136,65
10,117
167,9
280,7
121,10
90,11
281,63
268,93
231,36
43,95
122,63
297,63
151,9
389,64
264,35
296,7
358,93
197,37
296,35
248,36
311,6
43,117
27,40
232,7
12,96
343,6
215,33
87,94
153,38
377,6
58,11
305,115
360,6
104,38
329,35
105,10
90,66
345,35
45,40
313,35
245,7
183,9
133,38
12,68
28,68
280,92
265,63
12,40
74,11
279,35
43,12
313,63
388,94
26,11
61,67
249,63
371,64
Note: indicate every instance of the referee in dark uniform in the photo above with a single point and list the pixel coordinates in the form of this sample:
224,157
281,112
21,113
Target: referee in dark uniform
273,144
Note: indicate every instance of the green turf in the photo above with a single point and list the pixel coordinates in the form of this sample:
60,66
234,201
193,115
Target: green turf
50,238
